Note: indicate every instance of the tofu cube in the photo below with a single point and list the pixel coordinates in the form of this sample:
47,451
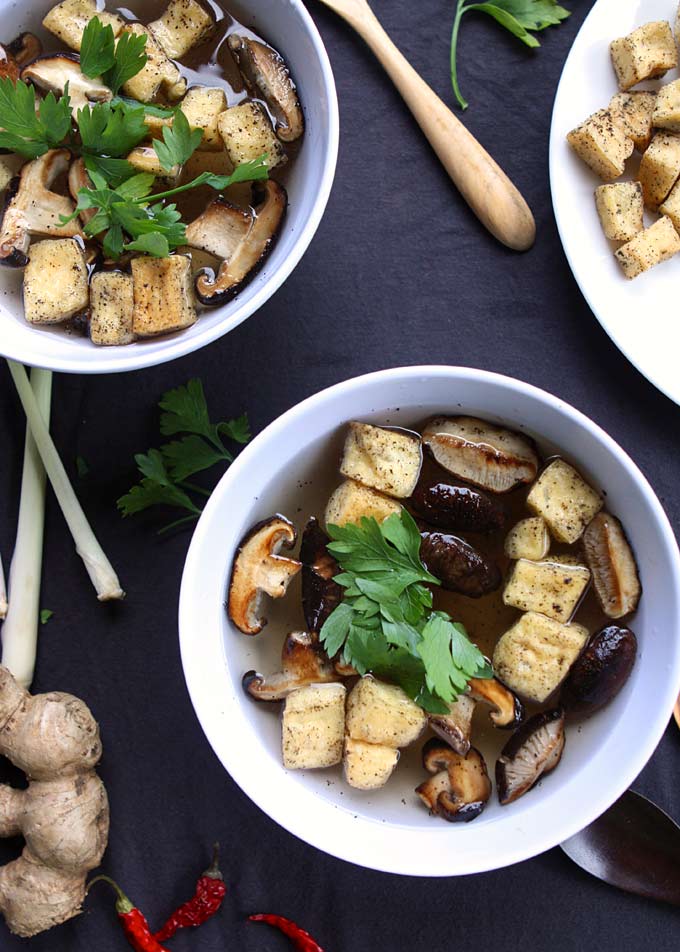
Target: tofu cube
529,539
184,25
655,244
379,713
368,766
666,113
202,106
247,133
646,53
156,124
565,500
602,143
55,281
158,72
671,207
144,159
313,727
659,169
634,112
163,295
386,460
68,20
621,210
534,656
548,587
352,502
217,162
111,308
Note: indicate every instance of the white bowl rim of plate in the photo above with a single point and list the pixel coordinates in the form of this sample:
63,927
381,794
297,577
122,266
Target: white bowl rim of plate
300,42
635,314
602,757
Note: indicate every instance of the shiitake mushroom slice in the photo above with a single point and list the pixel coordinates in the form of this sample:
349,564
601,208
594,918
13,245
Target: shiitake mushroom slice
601,671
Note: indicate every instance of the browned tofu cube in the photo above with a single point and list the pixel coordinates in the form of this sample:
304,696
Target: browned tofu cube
634,112
649,248
671,207
621,210
163,295
111,308
659,168
602,144
646,53
666,113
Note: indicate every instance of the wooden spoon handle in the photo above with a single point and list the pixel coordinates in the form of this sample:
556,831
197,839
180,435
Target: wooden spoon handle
486,188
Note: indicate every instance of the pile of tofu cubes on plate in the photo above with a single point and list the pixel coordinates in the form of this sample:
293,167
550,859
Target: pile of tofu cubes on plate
647,121
155,295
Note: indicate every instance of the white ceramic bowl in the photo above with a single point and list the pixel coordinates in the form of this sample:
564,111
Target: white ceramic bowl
601,759
288,26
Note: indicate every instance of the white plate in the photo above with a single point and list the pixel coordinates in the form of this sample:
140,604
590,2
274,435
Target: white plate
289,27
291,464
640,316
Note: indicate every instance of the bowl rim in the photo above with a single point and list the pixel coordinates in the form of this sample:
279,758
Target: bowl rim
367,843
179,345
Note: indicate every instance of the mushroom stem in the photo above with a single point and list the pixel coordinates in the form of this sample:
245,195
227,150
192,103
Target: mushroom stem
98,567
20,630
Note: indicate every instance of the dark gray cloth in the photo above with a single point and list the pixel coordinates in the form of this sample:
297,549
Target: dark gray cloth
399,273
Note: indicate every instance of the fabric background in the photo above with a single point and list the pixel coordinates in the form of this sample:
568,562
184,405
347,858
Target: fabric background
399,273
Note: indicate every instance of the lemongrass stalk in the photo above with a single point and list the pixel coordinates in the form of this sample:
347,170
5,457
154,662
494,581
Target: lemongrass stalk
98,567
20,630
3,592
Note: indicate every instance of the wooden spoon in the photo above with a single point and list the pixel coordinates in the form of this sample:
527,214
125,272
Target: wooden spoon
635,846
483,184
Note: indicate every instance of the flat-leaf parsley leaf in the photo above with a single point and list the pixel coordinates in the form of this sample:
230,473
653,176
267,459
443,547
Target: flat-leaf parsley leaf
519,17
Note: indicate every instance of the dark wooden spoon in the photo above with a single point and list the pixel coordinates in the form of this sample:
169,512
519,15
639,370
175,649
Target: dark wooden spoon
634,846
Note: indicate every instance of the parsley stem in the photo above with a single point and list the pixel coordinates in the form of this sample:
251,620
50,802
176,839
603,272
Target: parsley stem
173,191
179,522
461,9
185,484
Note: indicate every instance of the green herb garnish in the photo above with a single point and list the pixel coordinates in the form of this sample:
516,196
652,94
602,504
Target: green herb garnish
165,471
45,615
130,211
115,62
519,17
385,623
179,142
25,131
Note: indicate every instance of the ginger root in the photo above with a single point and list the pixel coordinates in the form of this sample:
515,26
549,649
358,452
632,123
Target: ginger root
63,814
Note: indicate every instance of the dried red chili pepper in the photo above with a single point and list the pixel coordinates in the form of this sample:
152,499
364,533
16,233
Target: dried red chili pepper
206,901
134,924
300,939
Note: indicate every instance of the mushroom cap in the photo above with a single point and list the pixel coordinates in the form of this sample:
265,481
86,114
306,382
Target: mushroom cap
507,709
265,72
612,564
533,751
459,787
52,71
25,48
303,661
259,570
600,672
250,253
455,506
320,594
455,728
458,565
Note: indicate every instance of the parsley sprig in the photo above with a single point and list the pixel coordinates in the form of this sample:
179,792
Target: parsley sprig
115,62
130,211
385,623
26,131
200,445
519,17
